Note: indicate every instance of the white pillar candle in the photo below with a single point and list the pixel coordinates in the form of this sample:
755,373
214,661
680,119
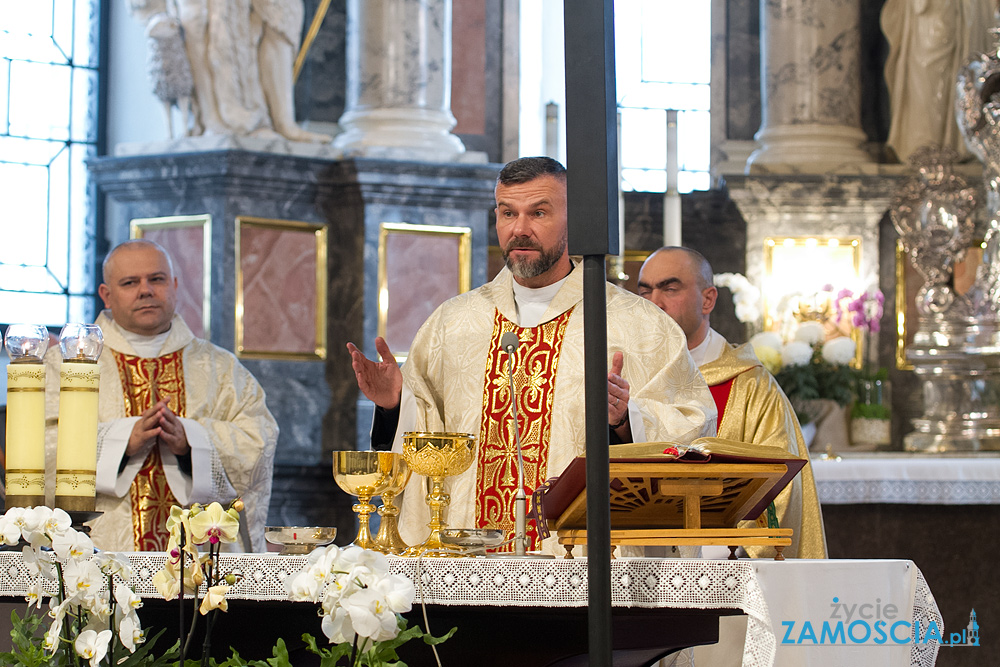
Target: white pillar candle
25,475
76,455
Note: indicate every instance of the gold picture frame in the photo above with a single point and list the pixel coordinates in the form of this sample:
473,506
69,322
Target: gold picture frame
271,257
435,260
909,282
177,233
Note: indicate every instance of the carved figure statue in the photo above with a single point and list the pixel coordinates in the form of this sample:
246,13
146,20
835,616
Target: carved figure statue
168,69
928,41
241,54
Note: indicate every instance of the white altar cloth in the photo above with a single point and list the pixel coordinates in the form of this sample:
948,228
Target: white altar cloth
896,477
771,594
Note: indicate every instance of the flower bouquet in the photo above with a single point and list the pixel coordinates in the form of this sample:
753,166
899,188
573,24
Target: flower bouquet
361,604
808,368
91,607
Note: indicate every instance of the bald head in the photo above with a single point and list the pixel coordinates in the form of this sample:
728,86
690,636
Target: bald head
680,282
140,287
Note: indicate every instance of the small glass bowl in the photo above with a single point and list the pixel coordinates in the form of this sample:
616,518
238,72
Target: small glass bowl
475,540
299,539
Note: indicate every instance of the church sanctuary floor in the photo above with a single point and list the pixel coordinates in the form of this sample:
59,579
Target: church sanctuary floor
955,546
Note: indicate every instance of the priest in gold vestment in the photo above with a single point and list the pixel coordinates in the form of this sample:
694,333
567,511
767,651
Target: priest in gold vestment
455,377
752,408
180,419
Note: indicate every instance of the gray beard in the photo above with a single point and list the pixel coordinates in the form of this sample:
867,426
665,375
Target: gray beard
532,268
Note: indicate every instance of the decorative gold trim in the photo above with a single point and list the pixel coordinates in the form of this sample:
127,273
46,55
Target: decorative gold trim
314,26
76,503
18,390
319,232
23,500
89,389
464,264
137,229
842,241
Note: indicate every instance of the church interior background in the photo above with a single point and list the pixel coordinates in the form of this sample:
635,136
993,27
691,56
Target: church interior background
287,250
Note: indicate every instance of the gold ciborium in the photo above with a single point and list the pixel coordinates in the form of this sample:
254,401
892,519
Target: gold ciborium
365,474
437,455
388,540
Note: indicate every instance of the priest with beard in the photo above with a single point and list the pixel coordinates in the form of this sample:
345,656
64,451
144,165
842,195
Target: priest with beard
455,377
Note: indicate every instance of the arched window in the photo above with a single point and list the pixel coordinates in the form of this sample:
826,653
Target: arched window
48,129
663,61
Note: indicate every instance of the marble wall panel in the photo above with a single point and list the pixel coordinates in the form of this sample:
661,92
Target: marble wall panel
280,299
186,246
422,272
468,66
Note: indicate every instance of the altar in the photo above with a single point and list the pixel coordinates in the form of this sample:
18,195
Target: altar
513,608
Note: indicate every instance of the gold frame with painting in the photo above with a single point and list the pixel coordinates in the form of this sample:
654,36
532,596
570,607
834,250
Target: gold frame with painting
463,261
908,283
141,227
317,234
842,251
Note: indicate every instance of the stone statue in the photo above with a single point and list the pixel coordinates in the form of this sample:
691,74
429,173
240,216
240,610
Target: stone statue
928,41
169,70
241,54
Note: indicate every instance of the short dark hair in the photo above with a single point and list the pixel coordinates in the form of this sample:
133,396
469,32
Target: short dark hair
525,169
135,243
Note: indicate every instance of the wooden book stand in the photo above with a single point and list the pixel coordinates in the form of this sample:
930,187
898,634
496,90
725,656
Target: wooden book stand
695,498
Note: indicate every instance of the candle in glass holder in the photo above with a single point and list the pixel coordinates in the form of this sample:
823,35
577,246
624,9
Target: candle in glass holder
79,382
25,475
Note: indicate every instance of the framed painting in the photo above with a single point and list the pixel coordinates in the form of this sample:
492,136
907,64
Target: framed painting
419,268
188,240
281,278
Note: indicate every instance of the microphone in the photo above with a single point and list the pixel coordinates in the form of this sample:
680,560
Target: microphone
509,343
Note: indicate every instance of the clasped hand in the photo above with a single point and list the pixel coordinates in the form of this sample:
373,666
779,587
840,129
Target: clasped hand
158,423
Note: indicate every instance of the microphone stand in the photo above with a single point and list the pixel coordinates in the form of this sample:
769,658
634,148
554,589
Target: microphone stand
520,499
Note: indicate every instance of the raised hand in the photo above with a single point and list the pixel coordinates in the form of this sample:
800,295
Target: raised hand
380,381
617,391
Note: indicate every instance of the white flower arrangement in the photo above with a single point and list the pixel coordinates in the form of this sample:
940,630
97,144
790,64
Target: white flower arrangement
93,612
360,603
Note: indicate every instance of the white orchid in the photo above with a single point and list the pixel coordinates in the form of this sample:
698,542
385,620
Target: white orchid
73,545
130,632
370,615
746,297
93,646
10,531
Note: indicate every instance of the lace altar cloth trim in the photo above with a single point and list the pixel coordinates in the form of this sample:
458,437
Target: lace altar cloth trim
925,610
908,479
635,582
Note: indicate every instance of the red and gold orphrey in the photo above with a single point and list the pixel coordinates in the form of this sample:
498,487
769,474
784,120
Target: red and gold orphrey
145,381
536,362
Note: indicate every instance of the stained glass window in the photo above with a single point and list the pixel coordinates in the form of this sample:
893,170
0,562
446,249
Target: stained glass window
48,129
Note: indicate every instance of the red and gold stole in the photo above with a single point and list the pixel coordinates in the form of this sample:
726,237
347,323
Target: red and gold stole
145,381
536,362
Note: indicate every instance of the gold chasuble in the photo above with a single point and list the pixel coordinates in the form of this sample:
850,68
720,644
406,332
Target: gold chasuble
536,361
145,381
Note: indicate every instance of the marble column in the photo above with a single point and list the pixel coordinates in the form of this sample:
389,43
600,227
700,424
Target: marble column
399,81
810,84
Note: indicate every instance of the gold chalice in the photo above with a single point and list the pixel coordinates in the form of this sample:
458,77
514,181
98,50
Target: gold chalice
365,474
437,455
388,540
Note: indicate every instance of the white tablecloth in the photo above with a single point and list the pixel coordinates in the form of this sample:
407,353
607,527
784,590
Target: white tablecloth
770,593
908,478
